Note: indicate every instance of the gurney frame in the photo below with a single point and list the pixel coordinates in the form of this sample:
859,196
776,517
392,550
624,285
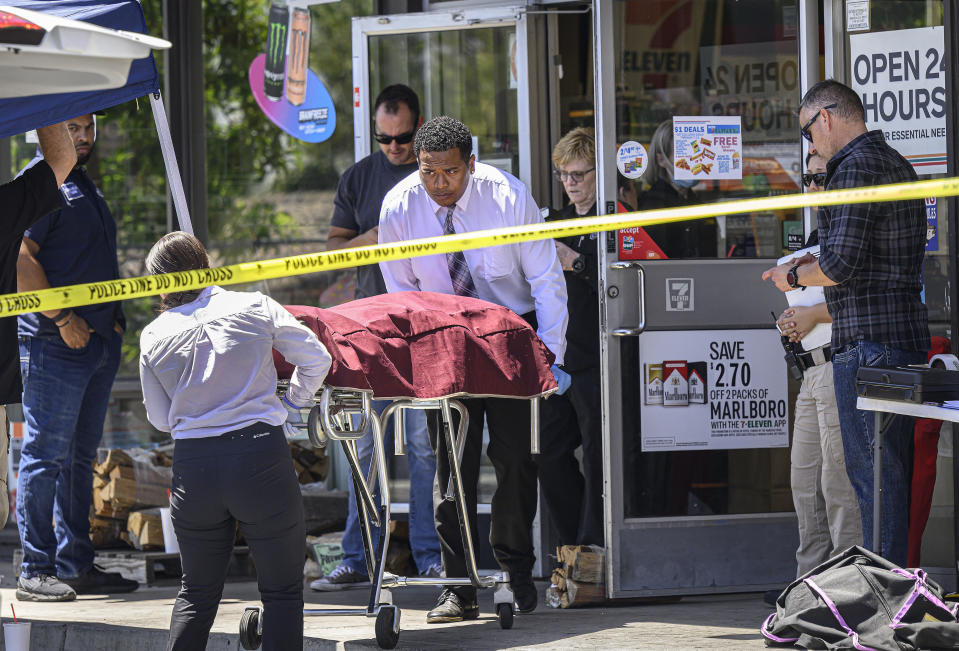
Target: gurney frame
346,415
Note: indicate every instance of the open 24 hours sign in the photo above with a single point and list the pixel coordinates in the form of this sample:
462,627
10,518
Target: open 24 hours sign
713,390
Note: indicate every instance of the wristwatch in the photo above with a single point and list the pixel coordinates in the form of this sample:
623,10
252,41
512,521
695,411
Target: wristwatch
792,278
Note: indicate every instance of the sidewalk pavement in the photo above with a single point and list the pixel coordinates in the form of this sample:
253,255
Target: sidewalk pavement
139,621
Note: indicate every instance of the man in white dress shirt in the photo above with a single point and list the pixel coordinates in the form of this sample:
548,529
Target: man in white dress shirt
452,193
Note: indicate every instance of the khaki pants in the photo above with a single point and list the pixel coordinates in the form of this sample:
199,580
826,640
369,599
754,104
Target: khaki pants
822,494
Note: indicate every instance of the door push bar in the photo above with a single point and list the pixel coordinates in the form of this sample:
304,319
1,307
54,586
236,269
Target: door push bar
634,332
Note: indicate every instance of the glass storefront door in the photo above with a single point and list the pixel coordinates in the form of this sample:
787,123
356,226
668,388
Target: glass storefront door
693,472
471,65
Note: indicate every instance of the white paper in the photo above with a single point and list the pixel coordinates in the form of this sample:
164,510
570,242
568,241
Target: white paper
821,334
857,15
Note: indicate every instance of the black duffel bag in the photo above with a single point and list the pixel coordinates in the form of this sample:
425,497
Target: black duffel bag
858,600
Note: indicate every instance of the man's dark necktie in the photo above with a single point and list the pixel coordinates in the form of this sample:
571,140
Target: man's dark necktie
459,270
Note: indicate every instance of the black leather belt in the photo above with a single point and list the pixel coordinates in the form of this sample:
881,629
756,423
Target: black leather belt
815,357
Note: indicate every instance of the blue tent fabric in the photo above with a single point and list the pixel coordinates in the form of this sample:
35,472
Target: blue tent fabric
18,115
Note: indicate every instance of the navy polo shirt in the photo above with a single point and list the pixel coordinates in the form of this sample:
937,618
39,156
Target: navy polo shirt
78,244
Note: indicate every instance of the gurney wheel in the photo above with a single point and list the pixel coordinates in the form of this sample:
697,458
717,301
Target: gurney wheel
250,637
505,614
387,633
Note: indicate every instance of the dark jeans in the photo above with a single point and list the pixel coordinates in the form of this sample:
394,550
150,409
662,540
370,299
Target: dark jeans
65,397
574,498
246,478
514,501
858,436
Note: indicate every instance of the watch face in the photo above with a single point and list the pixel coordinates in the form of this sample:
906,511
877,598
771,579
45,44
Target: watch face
791,278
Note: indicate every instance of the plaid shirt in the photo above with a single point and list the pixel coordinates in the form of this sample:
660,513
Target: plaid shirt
874,251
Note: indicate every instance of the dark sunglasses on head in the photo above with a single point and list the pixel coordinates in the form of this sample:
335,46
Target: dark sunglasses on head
401,139
805,128
819,178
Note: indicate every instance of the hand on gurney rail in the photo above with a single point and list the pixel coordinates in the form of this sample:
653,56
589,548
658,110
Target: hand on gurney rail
562,379
296,417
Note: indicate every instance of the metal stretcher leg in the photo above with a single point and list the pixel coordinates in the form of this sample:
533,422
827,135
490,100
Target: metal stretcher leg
337,409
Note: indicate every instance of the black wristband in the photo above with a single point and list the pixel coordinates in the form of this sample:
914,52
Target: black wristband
60,315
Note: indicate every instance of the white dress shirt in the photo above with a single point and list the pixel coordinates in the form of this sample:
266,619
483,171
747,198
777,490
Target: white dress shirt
522,277
207,367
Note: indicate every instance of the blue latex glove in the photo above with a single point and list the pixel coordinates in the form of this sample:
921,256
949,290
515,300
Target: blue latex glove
295,425
562,379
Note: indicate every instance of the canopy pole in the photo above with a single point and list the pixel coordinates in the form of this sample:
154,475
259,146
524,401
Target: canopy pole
169,161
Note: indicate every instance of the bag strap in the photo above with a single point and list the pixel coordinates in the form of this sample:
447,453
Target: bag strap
835,611
764,629
921,588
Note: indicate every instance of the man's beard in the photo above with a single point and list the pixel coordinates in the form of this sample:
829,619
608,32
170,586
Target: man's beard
82,160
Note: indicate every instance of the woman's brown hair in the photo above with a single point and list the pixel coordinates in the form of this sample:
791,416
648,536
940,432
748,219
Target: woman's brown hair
177,251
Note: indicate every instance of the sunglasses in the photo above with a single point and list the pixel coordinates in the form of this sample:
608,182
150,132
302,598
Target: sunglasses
805,129
401,139
562,175
819,178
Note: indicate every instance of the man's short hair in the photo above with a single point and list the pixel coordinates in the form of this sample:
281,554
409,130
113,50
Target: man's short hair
444,133
390,98
578,144
847,101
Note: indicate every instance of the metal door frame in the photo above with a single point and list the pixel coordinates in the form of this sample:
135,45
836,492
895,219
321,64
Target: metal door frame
616,317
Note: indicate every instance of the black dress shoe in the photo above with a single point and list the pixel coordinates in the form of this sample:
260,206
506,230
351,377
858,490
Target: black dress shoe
524,591
450,607
96,581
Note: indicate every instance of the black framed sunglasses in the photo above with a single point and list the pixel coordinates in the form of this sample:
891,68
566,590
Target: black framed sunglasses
401,139
805,128
562,175
819,178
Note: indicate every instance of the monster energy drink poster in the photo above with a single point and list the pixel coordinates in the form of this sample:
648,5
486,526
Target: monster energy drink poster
285,88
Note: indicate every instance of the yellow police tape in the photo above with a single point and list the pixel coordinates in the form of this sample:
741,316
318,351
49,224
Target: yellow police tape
127,288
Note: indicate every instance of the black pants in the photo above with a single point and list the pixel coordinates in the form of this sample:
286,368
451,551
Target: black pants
244,477
574,498
514,501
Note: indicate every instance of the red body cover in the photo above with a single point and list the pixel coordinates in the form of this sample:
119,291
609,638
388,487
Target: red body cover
427,345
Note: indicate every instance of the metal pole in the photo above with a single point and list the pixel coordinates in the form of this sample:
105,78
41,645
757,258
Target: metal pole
169,161
877,486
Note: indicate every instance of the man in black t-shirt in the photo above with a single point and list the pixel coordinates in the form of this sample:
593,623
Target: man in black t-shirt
24,201
356,216
356,212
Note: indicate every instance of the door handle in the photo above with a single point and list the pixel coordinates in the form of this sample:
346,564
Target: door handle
634,332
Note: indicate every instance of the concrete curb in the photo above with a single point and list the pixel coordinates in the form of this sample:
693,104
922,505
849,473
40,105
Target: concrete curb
70,636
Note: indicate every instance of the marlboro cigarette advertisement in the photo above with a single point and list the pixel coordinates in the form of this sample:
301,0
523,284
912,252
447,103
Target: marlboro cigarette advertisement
285,88
713,390
707,148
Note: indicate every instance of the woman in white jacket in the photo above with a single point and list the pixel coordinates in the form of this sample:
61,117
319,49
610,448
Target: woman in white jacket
208,378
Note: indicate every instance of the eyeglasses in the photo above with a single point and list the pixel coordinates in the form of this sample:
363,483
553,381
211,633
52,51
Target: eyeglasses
401,139
805,129
819,178
562,175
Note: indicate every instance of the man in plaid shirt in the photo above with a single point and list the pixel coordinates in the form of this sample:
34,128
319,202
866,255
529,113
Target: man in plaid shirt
870,264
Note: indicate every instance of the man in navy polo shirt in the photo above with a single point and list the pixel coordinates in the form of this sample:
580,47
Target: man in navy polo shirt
68,360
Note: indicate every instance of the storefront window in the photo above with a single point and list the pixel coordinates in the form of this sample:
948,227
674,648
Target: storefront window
896,61
466,73
706,58
696,61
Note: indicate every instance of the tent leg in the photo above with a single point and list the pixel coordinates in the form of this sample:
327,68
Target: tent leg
169,161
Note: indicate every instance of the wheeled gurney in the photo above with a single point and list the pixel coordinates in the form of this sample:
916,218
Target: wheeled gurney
419,350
